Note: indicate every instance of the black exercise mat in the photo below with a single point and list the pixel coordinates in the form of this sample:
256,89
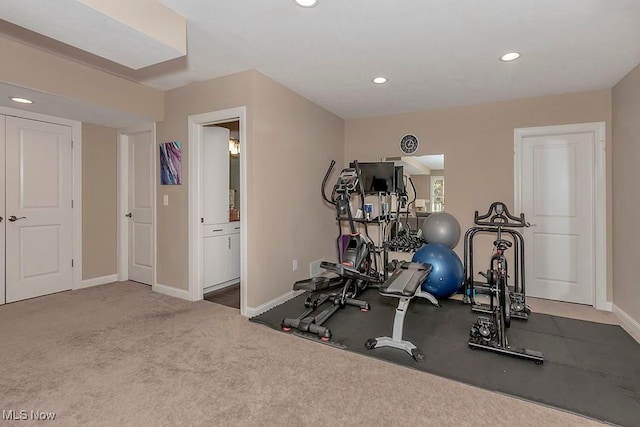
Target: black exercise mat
589,368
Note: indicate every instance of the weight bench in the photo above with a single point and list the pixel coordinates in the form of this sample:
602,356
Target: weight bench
404,284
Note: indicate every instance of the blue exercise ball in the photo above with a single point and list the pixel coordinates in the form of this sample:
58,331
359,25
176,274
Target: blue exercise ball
441,227
447,272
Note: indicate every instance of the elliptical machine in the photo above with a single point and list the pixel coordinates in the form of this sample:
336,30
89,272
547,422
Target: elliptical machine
353,273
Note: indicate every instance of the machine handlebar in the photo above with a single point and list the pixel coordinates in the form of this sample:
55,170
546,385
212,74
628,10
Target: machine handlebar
324,182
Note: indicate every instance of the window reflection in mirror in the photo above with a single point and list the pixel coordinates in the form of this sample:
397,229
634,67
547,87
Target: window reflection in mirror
427,174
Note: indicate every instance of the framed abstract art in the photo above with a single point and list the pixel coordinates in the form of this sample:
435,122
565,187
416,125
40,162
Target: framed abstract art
171,163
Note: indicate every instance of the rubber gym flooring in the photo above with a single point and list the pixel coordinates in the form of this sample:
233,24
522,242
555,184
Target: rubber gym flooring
590,368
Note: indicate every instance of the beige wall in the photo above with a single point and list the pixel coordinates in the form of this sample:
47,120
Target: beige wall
477,142
293,143
99,201
626,199
35,69
290,142
172,220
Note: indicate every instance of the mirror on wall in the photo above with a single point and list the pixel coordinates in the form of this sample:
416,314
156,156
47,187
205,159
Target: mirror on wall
427,175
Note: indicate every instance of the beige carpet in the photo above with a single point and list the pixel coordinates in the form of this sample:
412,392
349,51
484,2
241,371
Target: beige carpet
120,354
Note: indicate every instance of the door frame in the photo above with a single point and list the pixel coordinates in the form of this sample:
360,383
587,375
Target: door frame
196,123
123,201
599,199
76,184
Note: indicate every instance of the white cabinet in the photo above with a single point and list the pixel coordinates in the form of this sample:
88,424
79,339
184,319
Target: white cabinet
215,175
221,253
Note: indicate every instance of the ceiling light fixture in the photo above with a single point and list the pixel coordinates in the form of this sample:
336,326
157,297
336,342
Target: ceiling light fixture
306,3
511,56
379,80
20,100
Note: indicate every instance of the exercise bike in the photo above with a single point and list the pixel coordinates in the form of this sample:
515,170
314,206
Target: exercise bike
498,221
353,274
490,333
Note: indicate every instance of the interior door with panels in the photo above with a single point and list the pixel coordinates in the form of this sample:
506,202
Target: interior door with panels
141,175
557,196
2,211
38,208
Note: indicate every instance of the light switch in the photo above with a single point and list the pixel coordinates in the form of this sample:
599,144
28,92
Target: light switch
165,200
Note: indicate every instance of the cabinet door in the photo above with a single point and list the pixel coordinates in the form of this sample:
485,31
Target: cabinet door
234,256
215,260
215,174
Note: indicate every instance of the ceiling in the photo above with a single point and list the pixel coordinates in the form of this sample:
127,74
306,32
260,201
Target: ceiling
435,53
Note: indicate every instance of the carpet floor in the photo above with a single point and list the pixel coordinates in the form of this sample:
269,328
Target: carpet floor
590,368
123,355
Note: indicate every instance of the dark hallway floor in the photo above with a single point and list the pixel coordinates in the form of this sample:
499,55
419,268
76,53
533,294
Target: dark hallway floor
229,296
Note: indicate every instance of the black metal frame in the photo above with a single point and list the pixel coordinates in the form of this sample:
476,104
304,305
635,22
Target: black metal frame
490,333
354,271
494,222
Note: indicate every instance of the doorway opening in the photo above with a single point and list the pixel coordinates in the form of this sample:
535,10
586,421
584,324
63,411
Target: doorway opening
137,205
217,155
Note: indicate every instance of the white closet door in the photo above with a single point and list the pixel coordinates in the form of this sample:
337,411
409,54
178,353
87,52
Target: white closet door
141,175
2,210
38,199
215,179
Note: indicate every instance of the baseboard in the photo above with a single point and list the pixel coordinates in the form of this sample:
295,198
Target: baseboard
220,286
630,324
97,281
605,306
254,311
171,291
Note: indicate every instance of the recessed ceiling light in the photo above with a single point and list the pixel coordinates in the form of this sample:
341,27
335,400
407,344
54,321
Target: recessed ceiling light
21,100
511,56
380,80
307,3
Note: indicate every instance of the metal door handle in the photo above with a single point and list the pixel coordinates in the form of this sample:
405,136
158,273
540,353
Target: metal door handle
128,215
229,240
13,218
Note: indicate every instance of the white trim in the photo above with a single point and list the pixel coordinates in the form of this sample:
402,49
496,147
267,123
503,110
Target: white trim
76,137
255,311
629,323
171,291
196,122
599,200
220,286
123,201
97,281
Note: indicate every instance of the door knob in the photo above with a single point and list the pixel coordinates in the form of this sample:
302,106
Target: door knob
13,218
1,219
128,215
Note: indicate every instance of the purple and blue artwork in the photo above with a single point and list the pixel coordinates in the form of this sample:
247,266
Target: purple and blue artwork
171,163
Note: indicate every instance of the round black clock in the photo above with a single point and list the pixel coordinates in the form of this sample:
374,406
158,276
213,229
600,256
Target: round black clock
409,144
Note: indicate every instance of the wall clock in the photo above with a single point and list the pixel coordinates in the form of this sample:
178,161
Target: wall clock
409,144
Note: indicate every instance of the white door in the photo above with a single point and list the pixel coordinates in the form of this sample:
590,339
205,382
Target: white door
234,256
2,211
216,260
38,208
141,152
557,190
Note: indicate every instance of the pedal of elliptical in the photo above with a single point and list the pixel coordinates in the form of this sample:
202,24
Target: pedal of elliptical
321,282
